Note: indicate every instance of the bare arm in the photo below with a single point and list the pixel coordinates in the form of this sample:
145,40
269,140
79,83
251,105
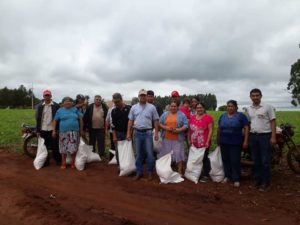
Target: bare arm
156,130
129,130
273,129
54,123
246,137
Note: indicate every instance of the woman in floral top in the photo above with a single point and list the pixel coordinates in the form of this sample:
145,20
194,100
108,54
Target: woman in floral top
200,134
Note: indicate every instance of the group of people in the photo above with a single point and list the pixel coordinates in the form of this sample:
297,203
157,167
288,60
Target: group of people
180,123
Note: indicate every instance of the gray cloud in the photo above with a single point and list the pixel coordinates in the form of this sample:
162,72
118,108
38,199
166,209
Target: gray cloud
222,47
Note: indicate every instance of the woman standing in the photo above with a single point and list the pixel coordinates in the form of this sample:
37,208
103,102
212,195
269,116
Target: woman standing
200,134
70,128
173,124
232,135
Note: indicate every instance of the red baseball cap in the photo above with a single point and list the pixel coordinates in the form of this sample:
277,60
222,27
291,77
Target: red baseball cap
47,92
175,94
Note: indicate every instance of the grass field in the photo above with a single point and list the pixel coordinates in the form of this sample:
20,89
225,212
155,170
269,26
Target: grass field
11,120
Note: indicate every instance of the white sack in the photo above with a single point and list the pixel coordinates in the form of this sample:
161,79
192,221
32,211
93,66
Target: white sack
114,159
41,155
81,156
91,156
126,158
217,171
165,172
194,164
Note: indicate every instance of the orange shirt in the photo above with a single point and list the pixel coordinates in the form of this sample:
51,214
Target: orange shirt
171,121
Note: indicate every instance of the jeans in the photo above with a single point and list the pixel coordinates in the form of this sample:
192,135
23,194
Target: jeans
51,143
98,136
261,152
231,158
144,150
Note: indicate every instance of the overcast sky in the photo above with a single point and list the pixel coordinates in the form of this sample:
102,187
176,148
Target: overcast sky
101,47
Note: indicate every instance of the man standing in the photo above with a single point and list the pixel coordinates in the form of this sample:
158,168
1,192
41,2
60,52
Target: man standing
262,137
94,121
150,99
45,113
141,117
119,116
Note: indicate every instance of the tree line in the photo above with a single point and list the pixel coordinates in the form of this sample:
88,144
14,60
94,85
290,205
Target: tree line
22,98
209,100
17,98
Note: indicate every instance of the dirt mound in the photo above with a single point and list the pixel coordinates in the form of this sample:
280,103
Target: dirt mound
98,195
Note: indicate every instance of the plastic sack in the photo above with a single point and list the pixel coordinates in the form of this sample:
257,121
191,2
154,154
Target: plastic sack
217,172
91,156
41,155
81,156
165,172
194,164
126,158
157,144
114,159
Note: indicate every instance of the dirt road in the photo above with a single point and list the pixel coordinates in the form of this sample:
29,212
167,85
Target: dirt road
98,195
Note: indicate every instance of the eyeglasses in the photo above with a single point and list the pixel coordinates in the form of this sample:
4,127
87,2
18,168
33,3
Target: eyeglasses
47,95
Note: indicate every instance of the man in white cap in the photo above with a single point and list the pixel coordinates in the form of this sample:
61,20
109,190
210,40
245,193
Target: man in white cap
141,118
45,113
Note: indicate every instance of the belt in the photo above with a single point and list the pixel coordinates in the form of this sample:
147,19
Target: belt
142,130
260,134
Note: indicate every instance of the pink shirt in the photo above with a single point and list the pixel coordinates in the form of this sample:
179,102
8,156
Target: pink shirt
199,130
186,111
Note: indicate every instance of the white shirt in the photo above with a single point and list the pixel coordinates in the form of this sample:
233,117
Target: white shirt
47,117
260,118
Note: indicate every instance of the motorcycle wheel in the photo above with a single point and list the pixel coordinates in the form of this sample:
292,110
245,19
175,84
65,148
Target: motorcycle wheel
30,146
293,159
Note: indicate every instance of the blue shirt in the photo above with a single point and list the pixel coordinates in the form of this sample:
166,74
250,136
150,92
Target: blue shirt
143,115
231,128
68,119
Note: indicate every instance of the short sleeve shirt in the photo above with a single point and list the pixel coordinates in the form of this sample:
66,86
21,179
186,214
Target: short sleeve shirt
231,128
68,119
260,118
199,130
143,115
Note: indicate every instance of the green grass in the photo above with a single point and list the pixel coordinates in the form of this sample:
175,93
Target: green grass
11,120
10,126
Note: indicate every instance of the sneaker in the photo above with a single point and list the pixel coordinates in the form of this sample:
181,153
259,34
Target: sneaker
264,188
236,184
225,180
150,177
204,179
137,177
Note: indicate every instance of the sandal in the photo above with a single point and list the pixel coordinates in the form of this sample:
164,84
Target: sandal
63,166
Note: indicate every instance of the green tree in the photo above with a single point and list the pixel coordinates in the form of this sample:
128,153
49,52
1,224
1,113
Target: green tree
294,83
222,108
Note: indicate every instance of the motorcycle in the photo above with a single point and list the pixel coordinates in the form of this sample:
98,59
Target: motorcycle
285,143
30,140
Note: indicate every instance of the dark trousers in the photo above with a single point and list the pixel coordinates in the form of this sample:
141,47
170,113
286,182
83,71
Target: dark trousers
231,158
97,136
51,143
261,152
206,164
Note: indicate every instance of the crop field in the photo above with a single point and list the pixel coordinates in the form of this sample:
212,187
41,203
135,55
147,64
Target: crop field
11,120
